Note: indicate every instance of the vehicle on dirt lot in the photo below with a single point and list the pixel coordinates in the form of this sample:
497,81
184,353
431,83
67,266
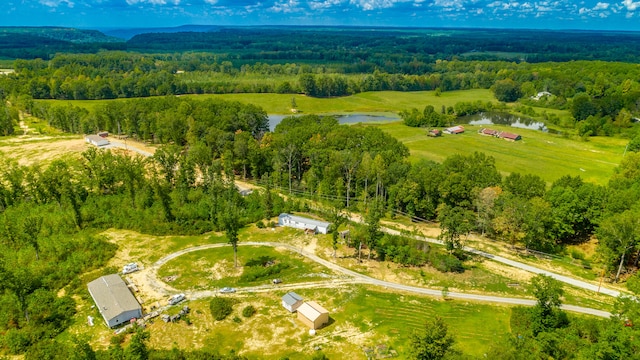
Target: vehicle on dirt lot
227,290
176,299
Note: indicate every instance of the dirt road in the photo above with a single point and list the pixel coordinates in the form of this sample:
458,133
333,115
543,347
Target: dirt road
350,277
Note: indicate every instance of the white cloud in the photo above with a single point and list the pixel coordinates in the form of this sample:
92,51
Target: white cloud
56,3
368,5
286,6
320,5
631,5
211,2
601,6
457,4
153,2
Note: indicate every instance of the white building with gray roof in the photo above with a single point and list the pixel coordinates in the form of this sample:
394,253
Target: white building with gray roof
114,300
291,301
303,223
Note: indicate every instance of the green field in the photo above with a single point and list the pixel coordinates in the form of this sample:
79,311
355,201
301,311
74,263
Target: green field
213,268
369,102
546,155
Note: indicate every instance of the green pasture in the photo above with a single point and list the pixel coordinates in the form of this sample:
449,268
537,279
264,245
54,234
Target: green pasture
369,102
213,268
360,317
546,155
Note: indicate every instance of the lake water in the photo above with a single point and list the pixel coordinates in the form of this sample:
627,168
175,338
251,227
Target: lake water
496,118
342,119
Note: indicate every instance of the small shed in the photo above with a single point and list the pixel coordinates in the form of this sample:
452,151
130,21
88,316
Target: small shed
114,300
291,301
454,130
96,140
303,223
313,315
434,133
488,132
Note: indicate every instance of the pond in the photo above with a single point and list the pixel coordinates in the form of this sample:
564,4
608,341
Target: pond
497,118
342,119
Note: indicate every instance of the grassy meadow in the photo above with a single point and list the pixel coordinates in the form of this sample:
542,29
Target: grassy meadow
547,155
369,102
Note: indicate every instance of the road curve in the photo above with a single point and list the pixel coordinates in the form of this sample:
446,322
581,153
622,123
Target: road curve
353,277
519,265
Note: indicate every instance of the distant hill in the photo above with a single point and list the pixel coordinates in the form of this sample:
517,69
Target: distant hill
45,42
127,34
60,33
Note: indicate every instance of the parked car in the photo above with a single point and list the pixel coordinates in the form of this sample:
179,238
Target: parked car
277,281
227,290
176,299
129,268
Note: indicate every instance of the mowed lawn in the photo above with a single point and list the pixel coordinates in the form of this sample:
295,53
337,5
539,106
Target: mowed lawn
369,102
546,155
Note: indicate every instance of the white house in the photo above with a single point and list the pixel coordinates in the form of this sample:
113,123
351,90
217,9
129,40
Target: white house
291,301
96,140
114,300
300,222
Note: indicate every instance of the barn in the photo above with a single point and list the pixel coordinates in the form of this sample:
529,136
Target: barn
291,301
313,315
114,300
300,222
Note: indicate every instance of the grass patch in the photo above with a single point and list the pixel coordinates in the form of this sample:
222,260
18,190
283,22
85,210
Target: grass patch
213,268
547,155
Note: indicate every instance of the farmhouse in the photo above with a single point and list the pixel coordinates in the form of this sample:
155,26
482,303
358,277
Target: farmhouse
300,222
313,315
454,130
114,300
96,140
291,301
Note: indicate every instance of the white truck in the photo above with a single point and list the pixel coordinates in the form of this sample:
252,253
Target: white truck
129,268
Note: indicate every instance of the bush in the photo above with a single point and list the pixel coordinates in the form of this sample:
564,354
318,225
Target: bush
446,263
259,272
248,311
221,307
260,224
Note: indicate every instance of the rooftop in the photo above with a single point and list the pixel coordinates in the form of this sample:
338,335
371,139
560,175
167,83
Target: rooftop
112,296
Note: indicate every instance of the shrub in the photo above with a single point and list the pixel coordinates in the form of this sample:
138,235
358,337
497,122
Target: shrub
248,311
221,307
258,272
576,254
446,263
260,224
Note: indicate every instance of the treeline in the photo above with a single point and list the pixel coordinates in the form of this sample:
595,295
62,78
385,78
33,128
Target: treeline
395,49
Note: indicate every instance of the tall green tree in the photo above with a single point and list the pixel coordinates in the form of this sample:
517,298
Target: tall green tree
432,342
230,219
619,234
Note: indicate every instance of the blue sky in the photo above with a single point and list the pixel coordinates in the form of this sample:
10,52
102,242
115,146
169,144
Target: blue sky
545,14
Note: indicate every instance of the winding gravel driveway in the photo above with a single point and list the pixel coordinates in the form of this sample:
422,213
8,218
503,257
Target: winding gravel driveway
350,277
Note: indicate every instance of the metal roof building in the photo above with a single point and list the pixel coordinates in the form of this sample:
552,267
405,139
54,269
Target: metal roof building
304,223
114,300
291,301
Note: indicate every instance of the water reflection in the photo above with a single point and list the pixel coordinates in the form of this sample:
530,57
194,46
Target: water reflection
342,119
496,118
